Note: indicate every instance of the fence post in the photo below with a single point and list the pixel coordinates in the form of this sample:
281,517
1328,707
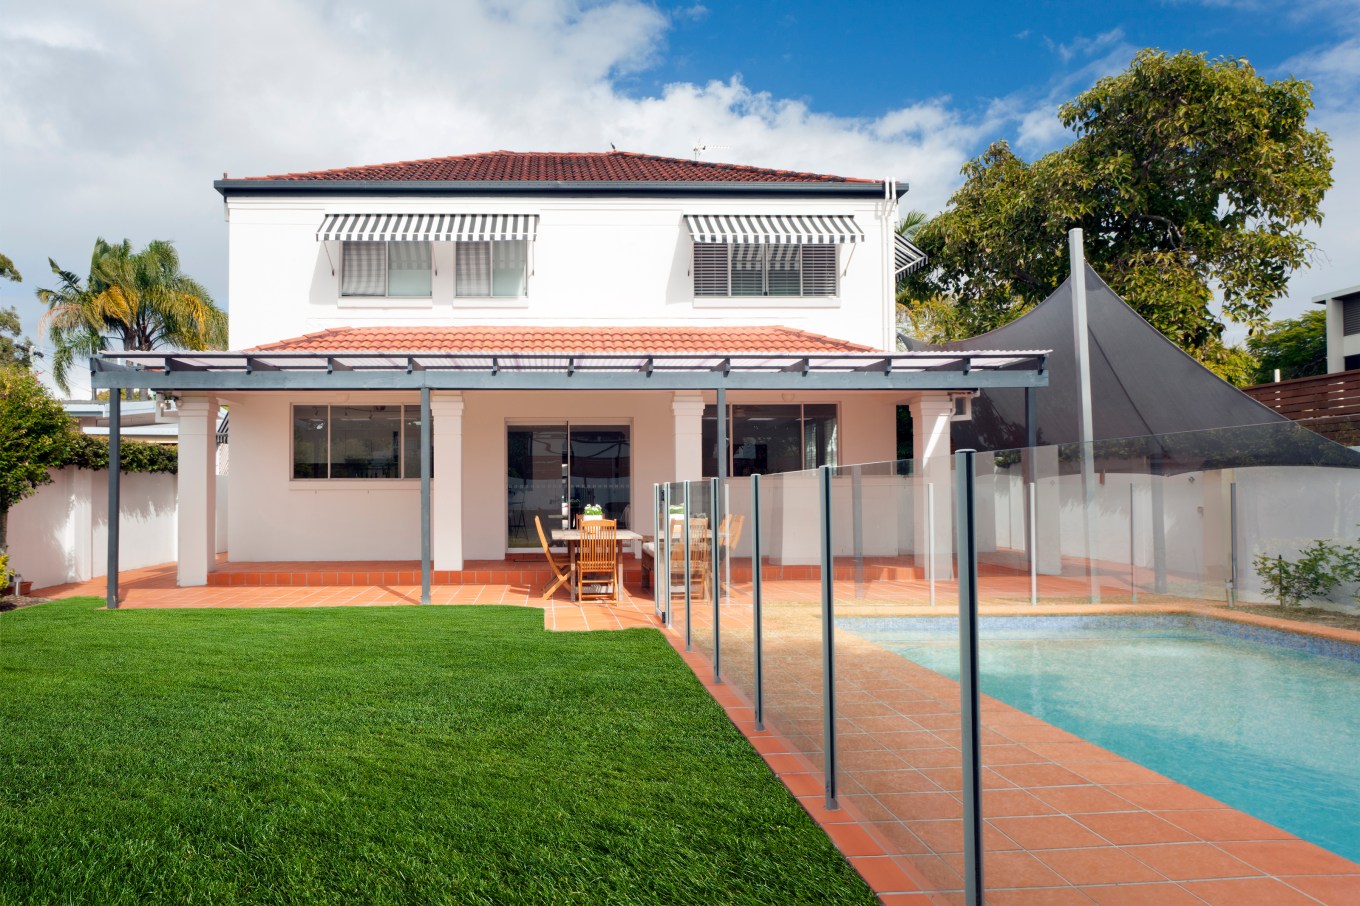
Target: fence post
756,602
857,527
828,638
715,562
689,580
659,517
964,472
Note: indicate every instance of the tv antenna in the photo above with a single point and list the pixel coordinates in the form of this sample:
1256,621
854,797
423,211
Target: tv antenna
700,148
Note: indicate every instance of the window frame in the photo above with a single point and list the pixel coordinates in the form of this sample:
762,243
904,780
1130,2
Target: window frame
765,296
801,405
353,299
332,481
491,298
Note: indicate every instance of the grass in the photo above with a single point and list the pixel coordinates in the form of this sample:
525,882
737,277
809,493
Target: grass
379,755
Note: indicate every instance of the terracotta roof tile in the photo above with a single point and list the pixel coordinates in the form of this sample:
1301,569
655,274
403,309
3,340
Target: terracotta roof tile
533,166
483,338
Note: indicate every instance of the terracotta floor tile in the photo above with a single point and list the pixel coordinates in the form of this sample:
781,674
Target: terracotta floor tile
1117,772
1334,890
1015,869
1135,827
1290,857
1224,824
853,840
1033,775
1013,803
1163,796
1102,865
883,874
922,806
1052,896
1257,891
1046,832
1081,799
1163,894
1191,861
900,781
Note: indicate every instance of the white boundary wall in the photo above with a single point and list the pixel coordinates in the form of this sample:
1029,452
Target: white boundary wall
60,534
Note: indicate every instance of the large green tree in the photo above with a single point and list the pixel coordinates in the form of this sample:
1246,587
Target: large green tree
1187,175
14,350
35,435
1296,346
141,300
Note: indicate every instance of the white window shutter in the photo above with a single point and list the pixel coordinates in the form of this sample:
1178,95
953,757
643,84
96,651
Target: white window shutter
819,270
710,269
472,269
364,269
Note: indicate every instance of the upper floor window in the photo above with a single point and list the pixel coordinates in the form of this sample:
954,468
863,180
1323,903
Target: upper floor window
748,269
491,268
386,269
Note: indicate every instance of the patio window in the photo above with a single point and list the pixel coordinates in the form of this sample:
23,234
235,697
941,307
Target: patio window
748,269
356,442
767,439
395,269
493,268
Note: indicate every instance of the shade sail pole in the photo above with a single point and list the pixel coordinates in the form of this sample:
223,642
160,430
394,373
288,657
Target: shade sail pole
1081,334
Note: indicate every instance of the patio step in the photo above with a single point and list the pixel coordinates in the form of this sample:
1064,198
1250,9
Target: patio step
339,574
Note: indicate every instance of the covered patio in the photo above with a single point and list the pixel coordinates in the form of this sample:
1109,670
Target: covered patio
927,380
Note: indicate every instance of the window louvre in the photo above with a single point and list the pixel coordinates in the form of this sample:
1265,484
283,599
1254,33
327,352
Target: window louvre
710,269
409,269
819,270
472,268
1350,317
364,268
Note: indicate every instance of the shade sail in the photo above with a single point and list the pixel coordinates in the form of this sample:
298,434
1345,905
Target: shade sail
427,227
773,230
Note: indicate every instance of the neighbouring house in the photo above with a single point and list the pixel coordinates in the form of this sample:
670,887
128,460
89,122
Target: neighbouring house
567,326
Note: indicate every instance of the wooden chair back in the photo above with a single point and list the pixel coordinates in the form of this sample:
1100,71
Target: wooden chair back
729,530
598,549
561,572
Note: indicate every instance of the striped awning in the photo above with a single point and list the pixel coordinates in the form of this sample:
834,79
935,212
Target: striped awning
773,230
427,227
907,258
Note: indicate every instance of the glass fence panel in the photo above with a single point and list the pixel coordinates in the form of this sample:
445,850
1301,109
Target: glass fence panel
736,614
671,563
792,626
897,712
703,522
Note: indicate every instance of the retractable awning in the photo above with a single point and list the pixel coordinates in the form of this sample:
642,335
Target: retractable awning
773,230
427,227
907,258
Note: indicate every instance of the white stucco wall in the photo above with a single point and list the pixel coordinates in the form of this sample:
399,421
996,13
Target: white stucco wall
60,534
597,261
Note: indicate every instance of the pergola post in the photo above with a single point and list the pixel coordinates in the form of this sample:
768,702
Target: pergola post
115,475
425,495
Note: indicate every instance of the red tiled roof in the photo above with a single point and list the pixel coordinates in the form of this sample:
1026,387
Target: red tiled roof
486,339
533,166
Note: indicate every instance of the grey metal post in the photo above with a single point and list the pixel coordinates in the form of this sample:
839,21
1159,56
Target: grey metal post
425,456
715,556
666,582
857,527
115,479
964,472
689,585
722,432
658,508
828,639
756,602
1133,547
1232,529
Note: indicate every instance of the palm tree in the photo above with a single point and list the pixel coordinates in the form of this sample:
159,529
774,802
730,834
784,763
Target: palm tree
911,223
140,299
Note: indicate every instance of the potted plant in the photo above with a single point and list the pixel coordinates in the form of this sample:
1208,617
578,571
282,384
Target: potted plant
9,580
592,511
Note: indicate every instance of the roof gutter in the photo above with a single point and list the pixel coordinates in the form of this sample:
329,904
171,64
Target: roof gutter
284,187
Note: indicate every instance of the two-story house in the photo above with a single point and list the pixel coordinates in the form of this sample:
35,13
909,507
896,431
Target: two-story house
572,325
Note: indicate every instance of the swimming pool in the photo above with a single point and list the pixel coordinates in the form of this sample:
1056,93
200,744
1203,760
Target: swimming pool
1265,721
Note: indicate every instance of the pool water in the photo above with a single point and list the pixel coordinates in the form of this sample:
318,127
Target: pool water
1267,722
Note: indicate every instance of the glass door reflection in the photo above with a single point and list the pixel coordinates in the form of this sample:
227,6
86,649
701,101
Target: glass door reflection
555,471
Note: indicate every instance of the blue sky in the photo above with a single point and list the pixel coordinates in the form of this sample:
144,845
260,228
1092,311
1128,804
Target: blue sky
119,113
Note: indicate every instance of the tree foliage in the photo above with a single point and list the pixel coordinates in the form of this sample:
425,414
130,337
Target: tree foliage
140,299
1186,174
8,271
35,435
90,451
1296,346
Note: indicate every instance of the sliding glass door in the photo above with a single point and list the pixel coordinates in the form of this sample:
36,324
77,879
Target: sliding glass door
555,470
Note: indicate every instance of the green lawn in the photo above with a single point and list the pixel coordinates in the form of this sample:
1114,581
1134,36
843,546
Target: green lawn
379,755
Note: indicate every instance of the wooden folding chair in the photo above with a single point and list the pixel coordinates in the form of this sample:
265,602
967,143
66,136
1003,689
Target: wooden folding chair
597,561
700,556
729,533
561,573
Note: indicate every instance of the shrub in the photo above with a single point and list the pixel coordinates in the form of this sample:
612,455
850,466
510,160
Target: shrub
92,452
1319,569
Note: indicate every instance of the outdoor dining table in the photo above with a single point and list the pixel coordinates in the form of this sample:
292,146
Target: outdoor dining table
572,536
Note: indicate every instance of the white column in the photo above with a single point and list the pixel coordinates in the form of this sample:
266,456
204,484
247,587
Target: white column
930,414
689,447
1336,336
196,489
446,487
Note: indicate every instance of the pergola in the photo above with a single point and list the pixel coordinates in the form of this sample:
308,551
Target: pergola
221,372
